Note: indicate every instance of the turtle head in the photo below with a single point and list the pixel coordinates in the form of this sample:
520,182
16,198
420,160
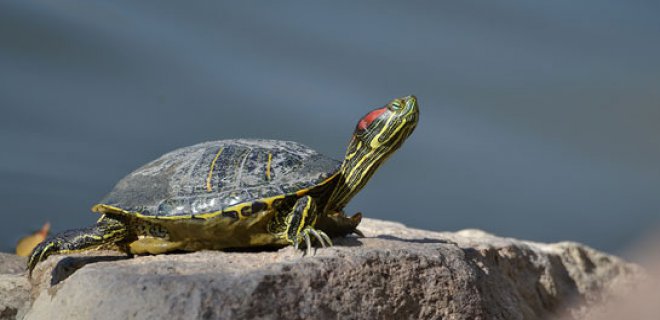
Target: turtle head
384,129
377,135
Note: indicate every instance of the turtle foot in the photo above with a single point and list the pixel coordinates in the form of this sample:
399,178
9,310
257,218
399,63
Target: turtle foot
304,235
41,252
359,233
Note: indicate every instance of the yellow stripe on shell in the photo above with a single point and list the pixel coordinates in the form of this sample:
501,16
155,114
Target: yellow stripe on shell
270,158
105,208
209,188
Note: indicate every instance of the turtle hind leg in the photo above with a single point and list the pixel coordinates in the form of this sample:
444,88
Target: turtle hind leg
299,225
337,224
107,231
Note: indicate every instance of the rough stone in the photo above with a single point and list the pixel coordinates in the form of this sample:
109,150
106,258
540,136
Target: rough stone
14,287
393,273
11,264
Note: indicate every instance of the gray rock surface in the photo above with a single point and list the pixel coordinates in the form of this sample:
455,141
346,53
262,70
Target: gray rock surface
393,273
11,264
14,287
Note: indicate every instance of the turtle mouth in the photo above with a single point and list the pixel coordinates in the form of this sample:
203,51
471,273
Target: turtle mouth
411,101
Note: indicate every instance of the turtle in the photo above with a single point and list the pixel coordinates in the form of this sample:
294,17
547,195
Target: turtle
240,194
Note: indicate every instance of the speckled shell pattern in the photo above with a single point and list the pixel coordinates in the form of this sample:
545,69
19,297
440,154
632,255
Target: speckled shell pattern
211,176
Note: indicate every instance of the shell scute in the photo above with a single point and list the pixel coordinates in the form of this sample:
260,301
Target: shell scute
212,176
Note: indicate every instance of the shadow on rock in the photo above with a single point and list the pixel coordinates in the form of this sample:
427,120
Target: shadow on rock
421,240
347,242
67,266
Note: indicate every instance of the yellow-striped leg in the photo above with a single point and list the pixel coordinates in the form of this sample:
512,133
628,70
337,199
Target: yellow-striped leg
106,231
300,225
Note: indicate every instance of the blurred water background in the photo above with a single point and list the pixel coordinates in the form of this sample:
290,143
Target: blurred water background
539,120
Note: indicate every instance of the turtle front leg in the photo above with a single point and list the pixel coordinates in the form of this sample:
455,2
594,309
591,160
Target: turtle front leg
299,225
106,231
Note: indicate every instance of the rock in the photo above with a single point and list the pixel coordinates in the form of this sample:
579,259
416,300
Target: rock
14,287
639,302
11,264
393,273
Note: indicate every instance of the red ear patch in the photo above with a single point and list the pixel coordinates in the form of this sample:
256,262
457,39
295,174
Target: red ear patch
370,117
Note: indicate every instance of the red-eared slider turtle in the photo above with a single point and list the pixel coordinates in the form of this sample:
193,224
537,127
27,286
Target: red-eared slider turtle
240,193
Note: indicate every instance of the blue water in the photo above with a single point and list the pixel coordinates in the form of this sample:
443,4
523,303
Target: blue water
539,120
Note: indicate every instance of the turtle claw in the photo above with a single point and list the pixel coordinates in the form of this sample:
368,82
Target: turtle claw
327,239
321,237
318,237
308,244
359,233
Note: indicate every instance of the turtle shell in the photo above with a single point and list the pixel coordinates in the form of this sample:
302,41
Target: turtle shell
213,176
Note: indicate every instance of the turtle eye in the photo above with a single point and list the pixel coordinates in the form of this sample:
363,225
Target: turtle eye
395,106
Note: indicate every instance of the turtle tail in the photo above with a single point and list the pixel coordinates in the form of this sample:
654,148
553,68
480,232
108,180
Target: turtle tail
106,231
